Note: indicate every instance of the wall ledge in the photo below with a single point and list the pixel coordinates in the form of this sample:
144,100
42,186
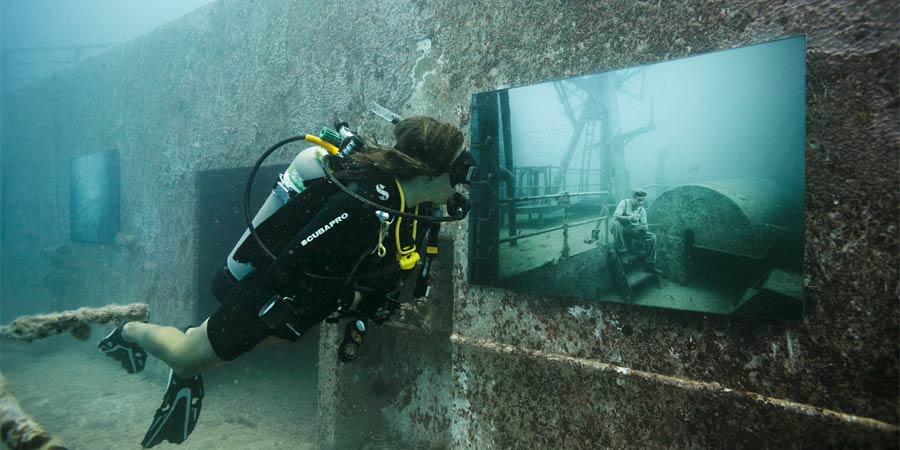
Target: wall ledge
683,383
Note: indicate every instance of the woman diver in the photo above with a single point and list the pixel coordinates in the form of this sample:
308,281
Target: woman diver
338,254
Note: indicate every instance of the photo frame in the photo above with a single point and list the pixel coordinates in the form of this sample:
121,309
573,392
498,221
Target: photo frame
94,197
707,151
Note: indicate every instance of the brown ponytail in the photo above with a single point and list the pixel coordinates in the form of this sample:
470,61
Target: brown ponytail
425,146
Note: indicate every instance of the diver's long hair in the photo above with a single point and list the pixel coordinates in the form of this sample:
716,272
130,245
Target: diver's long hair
424,146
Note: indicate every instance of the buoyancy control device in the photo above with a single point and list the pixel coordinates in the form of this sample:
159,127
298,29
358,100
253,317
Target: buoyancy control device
320,161
312,165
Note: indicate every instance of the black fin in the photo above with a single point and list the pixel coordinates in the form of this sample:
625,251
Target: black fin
131,355
177,415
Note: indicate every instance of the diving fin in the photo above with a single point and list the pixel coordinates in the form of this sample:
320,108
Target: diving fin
178,414
131,355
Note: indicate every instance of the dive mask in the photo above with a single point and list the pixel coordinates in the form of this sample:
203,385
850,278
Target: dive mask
462,168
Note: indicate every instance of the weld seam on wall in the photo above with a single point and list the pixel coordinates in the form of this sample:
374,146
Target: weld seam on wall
683,383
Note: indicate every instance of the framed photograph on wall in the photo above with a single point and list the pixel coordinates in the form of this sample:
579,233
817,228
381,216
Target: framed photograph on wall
94,197
678,184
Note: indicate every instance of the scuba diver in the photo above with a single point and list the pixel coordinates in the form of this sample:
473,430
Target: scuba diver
342,244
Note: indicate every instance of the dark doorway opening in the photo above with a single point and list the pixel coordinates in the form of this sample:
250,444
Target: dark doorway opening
281,378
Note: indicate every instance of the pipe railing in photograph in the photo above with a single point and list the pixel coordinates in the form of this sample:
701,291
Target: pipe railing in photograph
551,188
564,199
537,179
550,196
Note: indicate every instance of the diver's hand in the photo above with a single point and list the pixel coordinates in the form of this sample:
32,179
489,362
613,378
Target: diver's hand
458,206
357,299
385,311
378,311
634,219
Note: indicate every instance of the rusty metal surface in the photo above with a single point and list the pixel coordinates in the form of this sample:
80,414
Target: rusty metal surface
398,393
842,357
568,402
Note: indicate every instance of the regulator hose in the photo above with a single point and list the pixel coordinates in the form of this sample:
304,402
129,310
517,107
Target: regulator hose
332,179
253,172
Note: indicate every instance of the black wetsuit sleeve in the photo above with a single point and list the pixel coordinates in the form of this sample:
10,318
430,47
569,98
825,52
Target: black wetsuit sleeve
338,235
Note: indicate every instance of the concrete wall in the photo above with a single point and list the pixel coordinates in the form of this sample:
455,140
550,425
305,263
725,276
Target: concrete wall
399,393
213,89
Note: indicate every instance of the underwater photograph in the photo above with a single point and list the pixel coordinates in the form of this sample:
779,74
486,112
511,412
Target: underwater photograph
686,175
434,225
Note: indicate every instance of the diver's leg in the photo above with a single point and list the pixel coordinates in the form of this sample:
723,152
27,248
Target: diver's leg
186,353
648,243
651,249
618,232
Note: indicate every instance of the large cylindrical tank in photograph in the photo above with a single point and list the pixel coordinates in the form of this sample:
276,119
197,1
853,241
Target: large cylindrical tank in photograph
738,217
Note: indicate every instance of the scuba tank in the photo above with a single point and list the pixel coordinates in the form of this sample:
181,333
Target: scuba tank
309,165
305,168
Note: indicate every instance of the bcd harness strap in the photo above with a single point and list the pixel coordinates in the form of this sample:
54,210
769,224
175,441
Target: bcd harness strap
407,256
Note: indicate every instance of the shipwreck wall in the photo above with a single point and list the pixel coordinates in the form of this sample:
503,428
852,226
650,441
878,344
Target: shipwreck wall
213,89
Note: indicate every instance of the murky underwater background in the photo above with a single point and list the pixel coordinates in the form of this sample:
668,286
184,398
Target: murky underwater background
264,400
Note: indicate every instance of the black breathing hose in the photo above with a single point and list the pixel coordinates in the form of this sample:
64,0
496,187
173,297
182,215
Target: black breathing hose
332,179
247,217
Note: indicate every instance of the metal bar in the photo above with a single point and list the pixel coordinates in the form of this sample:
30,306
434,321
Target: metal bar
526,188
505,129
716,250
557,169
565,249
548,230
544,197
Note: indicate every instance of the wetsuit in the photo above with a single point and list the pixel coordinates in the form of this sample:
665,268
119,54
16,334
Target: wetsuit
326,243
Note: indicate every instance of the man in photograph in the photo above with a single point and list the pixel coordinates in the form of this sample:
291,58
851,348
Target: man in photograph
630,230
